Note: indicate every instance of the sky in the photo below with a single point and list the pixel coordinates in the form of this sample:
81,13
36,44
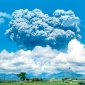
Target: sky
31,29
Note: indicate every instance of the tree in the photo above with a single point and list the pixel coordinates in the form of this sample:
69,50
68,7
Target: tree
22,75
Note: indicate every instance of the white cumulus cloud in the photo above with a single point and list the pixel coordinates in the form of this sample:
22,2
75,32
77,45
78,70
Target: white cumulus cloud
4,15
44,59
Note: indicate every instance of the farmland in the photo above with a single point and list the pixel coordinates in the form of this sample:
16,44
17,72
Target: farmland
37,83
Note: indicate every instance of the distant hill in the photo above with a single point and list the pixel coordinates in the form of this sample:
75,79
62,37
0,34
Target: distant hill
65,74
62,74
8,77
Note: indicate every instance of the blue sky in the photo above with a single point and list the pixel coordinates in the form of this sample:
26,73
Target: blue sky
48,7
9,48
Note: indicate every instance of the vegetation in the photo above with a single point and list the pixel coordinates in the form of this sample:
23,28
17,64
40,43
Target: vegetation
22,76
37,83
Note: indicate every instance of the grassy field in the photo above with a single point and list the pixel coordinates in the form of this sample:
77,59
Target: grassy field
36,83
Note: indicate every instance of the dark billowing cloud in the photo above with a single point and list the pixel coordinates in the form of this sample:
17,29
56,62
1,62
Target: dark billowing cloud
34,28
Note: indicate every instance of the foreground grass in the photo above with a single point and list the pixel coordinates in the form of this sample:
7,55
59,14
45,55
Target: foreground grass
37,83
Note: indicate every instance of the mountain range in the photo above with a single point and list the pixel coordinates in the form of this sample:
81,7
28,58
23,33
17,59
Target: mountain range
62,74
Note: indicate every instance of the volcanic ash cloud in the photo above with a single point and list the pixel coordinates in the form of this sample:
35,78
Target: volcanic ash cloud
34,28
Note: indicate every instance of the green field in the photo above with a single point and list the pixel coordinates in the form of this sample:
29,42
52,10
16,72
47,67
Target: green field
37,83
